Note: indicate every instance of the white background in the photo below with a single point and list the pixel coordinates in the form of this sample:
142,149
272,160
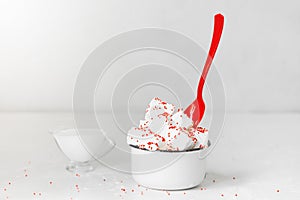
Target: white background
44,43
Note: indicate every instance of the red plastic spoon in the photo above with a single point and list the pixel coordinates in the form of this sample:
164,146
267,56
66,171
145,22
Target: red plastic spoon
196,110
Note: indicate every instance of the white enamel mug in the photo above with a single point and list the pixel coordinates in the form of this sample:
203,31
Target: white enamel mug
165,170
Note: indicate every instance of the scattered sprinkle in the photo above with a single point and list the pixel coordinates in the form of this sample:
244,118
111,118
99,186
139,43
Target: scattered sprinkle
214,181
222,195
236,195
50,182
233,178
277,190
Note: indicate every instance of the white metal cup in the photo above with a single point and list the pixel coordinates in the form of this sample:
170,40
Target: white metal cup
168,170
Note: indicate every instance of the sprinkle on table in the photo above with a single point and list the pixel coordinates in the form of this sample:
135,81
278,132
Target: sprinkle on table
277,190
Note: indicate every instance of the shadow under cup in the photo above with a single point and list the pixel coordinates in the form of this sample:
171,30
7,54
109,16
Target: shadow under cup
168,170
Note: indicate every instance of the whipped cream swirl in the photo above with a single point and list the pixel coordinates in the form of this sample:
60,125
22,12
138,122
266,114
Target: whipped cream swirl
166,128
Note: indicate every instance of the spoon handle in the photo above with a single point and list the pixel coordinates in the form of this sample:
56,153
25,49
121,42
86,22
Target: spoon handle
218,28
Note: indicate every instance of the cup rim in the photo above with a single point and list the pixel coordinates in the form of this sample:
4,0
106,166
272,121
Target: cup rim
166,151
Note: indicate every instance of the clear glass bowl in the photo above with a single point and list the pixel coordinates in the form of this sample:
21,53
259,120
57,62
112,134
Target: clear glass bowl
82,158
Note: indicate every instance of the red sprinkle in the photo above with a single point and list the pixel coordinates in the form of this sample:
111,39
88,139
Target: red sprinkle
123,189
222,195
235,195
50,182
9,183
34,193
277,190
132,190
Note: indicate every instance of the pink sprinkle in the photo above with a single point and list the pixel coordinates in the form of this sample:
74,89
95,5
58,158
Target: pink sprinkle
40,194
222,195
78,175
50,182
142,193
235,195
4,189
26,175
34,193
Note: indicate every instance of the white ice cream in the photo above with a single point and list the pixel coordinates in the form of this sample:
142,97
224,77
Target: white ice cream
166,128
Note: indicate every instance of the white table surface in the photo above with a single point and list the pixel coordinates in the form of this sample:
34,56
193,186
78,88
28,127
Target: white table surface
261,151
